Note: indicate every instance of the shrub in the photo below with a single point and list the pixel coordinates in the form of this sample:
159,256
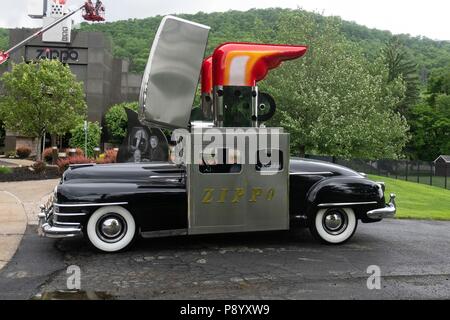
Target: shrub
78,152
5,170
11,154
39,167
63,164
48,155
111,155
23,152
93,141
108,157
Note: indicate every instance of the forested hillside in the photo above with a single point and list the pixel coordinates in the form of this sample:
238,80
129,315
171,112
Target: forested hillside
133,37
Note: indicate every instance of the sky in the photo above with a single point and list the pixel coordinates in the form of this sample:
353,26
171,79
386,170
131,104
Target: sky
429,18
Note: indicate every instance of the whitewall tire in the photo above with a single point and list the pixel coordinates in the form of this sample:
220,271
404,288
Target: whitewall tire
111,229
334,225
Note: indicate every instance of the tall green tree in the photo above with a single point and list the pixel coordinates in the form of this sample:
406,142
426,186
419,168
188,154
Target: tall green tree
402,66
117,121
86,141
438,84
41,97
333,101
430,128
2,134
430,120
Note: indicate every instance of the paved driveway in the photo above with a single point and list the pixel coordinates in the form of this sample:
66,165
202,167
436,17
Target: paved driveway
19,203
413,257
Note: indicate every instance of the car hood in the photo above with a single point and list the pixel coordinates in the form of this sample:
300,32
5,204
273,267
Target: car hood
305,166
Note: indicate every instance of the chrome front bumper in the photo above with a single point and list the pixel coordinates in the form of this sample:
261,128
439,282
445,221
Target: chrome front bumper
388,212
47,229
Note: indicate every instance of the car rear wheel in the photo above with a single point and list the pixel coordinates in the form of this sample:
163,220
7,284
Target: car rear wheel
111,229
334,225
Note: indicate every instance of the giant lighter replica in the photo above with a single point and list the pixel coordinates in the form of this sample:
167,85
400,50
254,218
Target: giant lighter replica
228,173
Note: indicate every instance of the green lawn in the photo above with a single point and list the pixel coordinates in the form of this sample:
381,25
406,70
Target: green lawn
418,201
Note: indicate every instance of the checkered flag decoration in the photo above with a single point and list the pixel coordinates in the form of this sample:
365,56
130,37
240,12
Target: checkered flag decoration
57,10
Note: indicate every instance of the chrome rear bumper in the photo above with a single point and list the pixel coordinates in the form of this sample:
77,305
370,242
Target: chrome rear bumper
388,212
47,229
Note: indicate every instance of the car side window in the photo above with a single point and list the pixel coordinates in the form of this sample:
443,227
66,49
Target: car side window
269,161
222,161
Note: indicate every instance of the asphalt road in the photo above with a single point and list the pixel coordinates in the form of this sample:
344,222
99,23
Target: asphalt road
413,257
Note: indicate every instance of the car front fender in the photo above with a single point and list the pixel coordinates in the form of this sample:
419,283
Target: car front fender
357,193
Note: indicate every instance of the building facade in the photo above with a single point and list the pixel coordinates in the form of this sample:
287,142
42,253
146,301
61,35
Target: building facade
106,80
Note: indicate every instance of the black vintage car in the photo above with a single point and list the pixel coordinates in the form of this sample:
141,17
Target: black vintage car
209,187
112,204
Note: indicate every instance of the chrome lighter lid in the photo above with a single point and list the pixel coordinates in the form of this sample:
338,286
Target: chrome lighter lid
172,74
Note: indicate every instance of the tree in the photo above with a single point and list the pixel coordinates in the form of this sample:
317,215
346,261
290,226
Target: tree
41,97
78,139
430,120
438,84
117,121
333,101
402,66
431,131
2,134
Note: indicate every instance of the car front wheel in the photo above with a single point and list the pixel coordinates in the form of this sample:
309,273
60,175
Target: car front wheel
334,225
111,229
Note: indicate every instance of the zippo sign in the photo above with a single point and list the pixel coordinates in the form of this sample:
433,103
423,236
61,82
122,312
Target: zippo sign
65,55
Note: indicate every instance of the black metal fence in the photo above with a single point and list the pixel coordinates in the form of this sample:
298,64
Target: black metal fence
430,173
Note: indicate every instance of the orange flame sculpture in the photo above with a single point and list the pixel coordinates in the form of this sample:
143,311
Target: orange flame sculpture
244,64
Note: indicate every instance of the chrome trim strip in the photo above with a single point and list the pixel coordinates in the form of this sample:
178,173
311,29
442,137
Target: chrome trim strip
179,177
70,224
325,173
89,205
69,214
164,233
325,205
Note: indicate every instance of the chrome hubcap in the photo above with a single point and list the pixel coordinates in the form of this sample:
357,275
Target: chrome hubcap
335,221
111,227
